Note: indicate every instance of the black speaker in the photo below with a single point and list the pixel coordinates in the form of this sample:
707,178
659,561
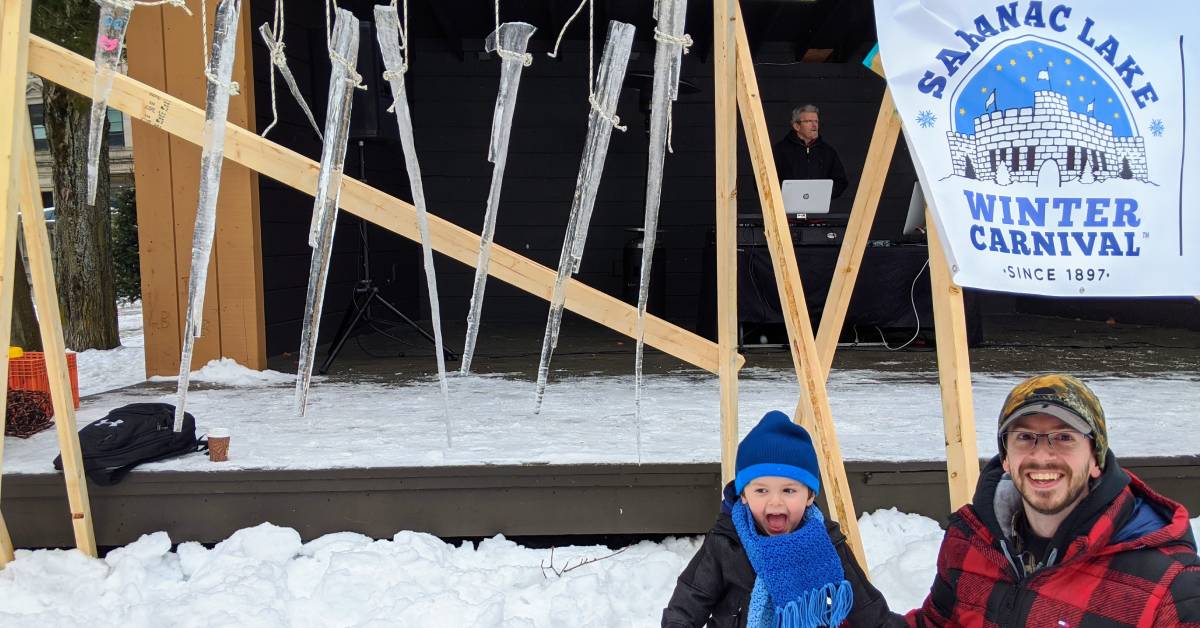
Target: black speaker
370,119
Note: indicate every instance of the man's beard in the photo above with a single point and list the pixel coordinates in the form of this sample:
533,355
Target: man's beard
1074,491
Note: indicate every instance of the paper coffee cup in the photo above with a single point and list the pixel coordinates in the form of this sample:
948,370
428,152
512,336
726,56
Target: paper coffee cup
218,444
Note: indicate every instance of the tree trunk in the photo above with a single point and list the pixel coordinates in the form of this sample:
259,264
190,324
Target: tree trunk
83,264
25,332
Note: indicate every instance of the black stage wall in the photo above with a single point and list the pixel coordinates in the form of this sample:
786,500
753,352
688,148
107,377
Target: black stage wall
452,87
452,92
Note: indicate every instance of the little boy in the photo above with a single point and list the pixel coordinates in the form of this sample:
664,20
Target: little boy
772,559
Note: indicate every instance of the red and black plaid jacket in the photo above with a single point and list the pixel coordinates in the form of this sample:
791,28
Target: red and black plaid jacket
1152,579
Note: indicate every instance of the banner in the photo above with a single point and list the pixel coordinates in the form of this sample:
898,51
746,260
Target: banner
1056,140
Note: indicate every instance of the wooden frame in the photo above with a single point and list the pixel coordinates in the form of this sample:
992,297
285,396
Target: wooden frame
812,355
19,188
21,52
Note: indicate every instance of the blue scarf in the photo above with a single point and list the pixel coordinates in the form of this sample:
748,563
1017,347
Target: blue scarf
800,582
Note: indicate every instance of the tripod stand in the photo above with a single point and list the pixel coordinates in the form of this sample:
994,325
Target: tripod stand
366,294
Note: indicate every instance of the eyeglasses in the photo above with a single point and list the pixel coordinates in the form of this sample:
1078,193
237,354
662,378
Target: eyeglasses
1023,441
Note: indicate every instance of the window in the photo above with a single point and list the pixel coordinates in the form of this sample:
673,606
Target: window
116,129
1070,158
37,117
1029,157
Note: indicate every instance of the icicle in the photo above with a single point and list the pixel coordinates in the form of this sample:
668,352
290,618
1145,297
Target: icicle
110,39
342,82
601,122
216,109
509,41
280,61
387,28
668,57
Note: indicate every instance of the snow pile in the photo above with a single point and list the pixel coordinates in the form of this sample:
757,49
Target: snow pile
101,370
901,555
227,372
265,576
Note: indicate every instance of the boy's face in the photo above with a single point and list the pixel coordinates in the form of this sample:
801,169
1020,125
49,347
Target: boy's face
777,503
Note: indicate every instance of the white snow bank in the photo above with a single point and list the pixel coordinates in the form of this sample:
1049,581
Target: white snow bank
227,372
101,370
265,576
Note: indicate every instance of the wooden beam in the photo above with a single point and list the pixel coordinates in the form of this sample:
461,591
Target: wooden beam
725,125
814,402
6,544
290,168
858,230
8,242
45,299
14,59
954,373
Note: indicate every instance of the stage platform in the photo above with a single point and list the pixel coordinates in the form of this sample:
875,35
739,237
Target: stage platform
620,500
371,455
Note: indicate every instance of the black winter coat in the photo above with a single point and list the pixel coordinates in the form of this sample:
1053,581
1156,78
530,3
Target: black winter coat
715,587
795,160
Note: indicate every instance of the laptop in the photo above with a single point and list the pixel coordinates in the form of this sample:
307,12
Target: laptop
807,196
914,223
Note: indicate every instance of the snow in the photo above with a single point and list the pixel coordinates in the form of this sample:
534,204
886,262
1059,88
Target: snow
227,372
101,370
400,424
265,576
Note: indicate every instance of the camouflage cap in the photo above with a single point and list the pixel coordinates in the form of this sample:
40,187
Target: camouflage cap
1063,397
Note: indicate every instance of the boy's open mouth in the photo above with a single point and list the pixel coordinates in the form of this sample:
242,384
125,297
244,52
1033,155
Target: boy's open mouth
777,524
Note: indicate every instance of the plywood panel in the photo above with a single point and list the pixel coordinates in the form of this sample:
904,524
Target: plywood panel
155,204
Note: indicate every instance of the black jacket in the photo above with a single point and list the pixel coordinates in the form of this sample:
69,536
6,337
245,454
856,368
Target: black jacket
795,160
715,587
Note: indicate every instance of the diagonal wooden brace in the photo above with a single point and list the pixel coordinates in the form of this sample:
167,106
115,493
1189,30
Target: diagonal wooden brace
185,121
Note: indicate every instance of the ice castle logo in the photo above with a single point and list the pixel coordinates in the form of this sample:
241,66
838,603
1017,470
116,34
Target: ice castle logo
1037,112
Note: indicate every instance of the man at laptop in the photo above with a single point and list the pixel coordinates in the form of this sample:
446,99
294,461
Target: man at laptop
802,154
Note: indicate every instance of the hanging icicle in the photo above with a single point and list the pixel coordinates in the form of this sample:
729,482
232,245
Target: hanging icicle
110,41
274,42
387,28
343,79
601,122
509,41
216,109
273,38
672,44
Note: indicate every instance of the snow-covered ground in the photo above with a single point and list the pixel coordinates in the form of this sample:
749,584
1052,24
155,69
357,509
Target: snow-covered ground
265,576
115,368
880,415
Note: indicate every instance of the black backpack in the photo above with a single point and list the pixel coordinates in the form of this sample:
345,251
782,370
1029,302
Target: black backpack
131,435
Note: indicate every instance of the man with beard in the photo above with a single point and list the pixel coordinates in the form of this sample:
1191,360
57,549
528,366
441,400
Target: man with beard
1058,533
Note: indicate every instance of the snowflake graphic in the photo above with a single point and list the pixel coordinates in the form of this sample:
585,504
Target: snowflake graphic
926,119
1157,127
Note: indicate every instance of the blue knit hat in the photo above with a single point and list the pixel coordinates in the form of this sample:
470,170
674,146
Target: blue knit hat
777,447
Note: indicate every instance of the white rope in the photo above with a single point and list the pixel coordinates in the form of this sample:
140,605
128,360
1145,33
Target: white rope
398,75
685,40
611,118
563,31
592,94
278,60
525,59
232,86
352,75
